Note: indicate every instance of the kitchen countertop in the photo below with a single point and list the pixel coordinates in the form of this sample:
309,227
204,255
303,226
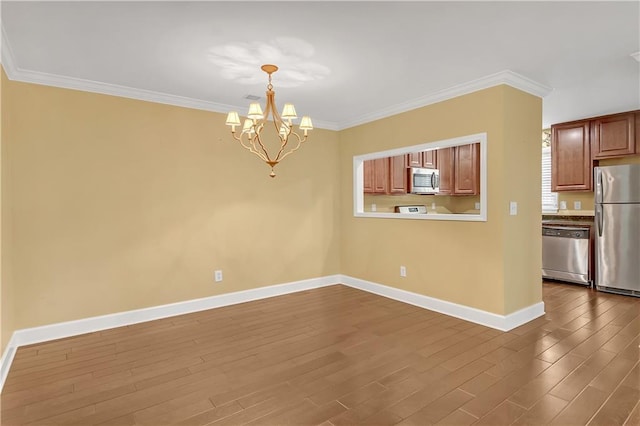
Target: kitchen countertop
567,220
571,213
587,218
584,223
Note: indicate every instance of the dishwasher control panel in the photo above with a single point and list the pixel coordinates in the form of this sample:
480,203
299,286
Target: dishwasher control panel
565,232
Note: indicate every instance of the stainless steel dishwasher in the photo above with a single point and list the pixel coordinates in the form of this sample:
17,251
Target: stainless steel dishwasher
566,254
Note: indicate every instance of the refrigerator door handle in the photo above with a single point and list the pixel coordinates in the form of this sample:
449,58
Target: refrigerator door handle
599,186
599,219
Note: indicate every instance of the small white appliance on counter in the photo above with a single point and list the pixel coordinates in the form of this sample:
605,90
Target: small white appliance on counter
411,209
424,181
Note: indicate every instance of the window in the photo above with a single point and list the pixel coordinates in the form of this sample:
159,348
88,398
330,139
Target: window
549,199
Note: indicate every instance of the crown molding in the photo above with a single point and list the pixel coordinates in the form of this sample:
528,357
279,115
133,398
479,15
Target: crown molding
507,77
128,92
6,54
15,73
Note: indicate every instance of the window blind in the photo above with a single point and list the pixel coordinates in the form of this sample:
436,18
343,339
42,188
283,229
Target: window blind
549,199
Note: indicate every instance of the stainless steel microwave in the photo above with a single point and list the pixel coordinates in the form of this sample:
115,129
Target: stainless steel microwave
424,181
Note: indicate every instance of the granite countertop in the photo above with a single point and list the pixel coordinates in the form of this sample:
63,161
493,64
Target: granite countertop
568,221
571,218
576,223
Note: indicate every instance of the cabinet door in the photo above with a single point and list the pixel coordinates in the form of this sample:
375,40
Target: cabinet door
368,177
381,175
429,159
446,167
398,175
571,157
467,169
613,136
414,159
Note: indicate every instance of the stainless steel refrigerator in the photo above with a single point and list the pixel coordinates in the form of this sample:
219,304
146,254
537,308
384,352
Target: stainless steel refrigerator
617,239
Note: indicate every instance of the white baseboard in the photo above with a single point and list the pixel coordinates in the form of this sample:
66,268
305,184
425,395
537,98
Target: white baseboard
489,319
61,330
7,359
29,336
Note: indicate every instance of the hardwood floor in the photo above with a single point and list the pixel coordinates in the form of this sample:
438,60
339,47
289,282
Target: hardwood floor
340,356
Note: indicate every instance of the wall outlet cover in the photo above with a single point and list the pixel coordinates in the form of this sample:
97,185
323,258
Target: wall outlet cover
513,208
563,205
577,205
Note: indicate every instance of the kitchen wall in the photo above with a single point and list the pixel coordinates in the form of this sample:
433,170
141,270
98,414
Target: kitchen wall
493,265
443,203
112,204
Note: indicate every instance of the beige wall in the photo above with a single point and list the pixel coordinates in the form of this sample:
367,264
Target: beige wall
120,204
111,204
470,263
522,174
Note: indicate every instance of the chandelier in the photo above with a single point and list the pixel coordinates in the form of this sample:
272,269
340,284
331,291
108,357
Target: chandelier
284,141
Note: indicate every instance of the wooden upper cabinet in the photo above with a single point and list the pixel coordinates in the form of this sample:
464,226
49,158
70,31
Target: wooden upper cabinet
381,175
571,157
446,168
459,168
467,169
414,159
425,159
385,175
614,135
368,177
430,159
398,175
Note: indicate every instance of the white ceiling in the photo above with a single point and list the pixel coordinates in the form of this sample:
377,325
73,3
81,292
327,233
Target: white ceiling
356,61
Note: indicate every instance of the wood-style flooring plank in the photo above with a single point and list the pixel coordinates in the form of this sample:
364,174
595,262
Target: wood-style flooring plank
340,356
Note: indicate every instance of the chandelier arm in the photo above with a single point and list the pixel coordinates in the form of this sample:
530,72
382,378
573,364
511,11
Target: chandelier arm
266,157
277,124
294,149
270,107
285,141
249,148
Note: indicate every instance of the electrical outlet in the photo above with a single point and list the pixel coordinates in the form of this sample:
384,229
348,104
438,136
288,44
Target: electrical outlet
577,205
477,206
563,205
433,206
403,271
374,208
513,208
217,276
